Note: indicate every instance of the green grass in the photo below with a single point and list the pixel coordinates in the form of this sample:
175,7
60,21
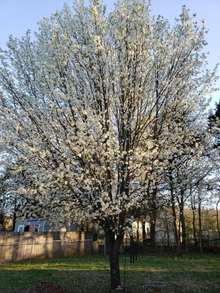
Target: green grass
90,273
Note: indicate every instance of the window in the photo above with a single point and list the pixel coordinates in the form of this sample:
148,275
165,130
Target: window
27,228
20,228
36,228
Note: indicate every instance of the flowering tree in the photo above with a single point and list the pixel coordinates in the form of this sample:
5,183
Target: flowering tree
86,107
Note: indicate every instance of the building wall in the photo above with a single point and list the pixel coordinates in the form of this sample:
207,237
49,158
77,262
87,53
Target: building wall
43,225
34,225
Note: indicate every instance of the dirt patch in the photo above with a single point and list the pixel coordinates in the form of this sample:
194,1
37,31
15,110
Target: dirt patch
45,287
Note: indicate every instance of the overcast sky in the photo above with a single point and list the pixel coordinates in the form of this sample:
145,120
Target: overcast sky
16,16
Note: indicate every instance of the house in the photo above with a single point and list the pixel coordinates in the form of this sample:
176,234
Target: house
41,225
164,233
31,225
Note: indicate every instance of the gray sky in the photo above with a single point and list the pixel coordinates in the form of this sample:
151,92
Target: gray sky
16,16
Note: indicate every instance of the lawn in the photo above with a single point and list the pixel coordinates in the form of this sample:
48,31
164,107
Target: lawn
90,273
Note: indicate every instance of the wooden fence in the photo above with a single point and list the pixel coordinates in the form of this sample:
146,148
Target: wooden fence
15,247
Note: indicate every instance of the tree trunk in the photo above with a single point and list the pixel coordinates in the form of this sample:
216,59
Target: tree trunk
200,221
194,228
14,214
193,207
153,230
174,216
143,231
153,217
217,218
176,233
182,220
183,228
14,221
138,227
114,244
167,228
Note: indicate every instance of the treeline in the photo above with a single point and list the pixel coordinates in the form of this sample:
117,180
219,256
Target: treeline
201,229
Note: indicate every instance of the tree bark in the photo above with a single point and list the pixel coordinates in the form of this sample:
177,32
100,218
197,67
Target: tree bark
194,229
153,218
176,233
138,227
114,243
183,228
200,221
174,216
153,230
14,221
143,231
194,221
217,217
167,228
182,220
